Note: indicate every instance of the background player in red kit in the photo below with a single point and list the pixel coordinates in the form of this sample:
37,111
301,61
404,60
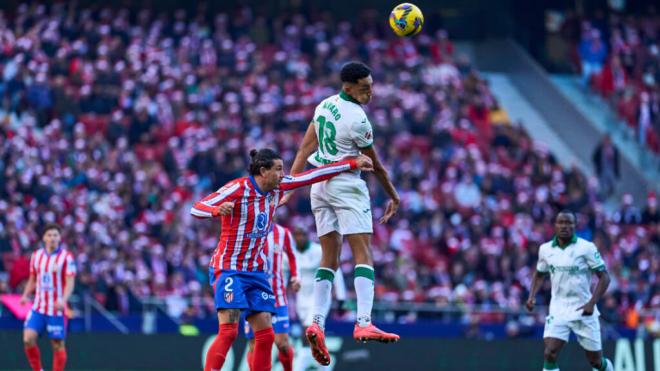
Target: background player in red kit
52,274
237,267
280,241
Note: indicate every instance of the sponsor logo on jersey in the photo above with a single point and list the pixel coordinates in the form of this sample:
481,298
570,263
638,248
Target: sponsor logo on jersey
54,329
266,296
262,221
260,225
570,269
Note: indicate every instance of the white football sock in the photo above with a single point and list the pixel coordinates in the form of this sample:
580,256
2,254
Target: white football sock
322,295
364,290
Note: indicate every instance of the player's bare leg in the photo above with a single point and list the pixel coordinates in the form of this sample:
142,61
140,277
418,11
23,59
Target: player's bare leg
59,355
551,352
227,333
325,275
32,349
364,289
264,337
598,362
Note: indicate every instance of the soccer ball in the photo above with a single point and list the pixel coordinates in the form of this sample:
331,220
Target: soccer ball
406,20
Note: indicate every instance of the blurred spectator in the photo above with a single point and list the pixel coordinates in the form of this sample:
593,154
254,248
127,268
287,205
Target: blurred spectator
20,271
628,58
593,52
651,213
606,163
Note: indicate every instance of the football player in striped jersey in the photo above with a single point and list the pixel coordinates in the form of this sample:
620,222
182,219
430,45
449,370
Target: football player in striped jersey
52,278
237,269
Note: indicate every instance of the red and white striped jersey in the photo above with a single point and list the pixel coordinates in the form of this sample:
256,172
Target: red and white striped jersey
280,242
50,272
243,232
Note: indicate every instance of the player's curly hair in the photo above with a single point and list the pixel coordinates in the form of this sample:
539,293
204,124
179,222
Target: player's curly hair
264,157
354,71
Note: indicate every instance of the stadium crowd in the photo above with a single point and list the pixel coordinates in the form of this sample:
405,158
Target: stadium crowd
112,122
619,57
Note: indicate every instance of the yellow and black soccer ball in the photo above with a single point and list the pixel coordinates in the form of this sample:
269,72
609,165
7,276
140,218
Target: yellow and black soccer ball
406,20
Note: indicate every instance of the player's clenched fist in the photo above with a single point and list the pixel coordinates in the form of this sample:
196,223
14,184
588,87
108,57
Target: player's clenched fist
224,209
530,304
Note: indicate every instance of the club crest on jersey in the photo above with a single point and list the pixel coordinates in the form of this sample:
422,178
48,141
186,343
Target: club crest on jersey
229,297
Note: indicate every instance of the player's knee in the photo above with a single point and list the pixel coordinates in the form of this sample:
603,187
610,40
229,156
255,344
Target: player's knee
550,354
57,344
29,342
29,339
282,345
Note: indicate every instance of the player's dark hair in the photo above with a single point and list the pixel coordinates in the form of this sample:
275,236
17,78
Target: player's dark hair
354,71
568,212
50,227
264,157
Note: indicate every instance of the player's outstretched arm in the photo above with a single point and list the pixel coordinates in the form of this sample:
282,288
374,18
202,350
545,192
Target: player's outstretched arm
309,144
384,180
537,280
326,172
219,203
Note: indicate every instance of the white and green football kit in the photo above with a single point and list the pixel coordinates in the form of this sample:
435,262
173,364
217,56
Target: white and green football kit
342,203
570,270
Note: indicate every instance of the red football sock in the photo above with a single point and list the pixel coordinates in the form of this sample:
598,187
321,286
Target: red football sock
215,357
263,345
287,358
250,359
59,360
34,357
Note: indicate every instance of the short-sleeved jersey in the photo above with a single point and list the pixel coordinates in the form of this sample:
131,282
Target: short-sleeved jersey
280,242
570,270
243,232
342,129
50,272
308,261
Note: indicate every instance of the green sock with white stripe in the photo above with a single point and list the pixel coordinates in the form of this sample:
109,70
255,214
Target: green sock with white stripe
364,290
322,295
550,366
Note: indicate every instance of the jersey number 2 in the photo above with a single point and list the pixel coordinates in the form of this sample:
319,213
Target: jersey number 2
228,282
327,133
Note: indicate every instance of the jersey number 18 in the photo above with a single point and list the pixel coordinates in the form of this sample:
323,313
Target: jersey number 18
327,134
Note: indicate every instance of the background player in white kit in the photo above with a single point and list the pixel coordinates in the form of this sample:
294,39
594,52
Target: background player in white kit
340,128
570,261
308,257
